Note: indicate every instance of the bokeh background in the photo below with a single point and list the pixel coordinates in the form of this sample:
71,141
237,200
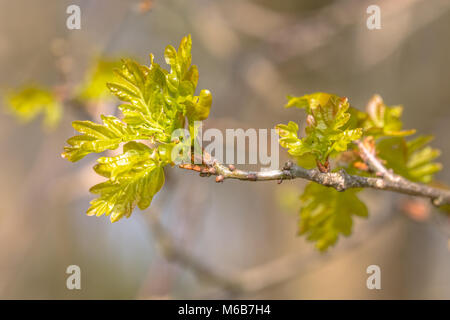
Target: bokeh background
251,54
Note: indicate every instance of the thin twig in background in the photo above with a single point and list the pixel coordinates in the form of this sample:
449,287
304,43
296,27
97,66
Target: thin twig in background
178,255
261,277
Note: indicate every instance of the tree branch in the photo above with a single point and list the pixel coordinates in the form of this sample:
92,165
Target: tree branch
258,278
340,181
177,254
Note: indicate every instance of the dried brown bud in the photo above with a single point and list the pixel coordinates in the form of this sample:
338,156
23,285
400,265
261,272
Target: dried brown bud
361,166
310,120
220,178
323,167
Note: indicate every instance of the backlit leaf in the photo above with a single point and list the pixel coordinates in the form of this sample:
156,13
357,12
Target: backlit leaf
156,103
327,213
29,101
134,178
412,159
381,120
326,131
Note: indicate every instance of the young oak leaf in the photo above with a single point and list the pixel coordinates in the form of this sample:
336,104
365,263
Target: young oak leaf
289,137
327,130
289,140
157,102
182,81
381,120
412,159
134,178
143,89
308,101
327,213
161,99
94,86
97,138
29,101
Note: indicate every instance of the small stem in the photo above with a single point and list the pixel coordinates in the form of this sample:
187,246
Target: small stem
340,181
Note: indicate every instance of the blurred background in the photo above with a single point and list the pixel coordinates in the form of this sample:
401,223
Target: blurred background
236,239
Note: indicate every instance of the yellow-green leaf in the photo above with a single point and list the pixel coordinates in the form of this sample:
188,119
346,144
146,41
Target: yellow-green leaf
29,101
134,178
327,213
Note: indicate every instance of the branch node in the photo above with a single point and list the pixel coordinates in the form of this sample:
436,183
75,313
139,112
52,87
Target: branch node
288,165
439,201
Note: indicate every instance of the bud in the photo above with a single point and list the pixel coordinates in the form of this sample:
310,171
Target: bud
310,120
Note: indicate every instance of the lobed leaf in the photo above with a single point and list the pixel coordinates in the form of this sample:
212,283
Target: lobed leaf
134,178
97,138
94,86
28,102
327,213
381,120
156,103
327,130
412,159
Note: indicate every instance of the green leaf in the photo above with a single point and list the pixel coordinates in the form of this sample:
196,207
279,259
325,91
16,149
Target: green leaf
98,138
156,103
134,178
94,85
412,159
170,54
326,131
198,108
28,102
309,101
327,213
381,120
158,100
289,138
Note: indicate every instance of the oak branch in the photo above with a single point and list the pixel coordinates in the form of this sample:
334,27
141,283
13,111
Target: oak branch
341,181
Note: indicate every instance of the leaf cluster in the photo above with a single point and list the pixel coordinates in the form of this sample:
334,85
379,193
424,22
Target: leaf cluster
157,102
327,130
331,127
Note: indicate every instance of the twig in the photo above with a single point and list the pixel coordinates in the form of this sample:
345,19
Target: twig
340,181
258,278
373,163
179,255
